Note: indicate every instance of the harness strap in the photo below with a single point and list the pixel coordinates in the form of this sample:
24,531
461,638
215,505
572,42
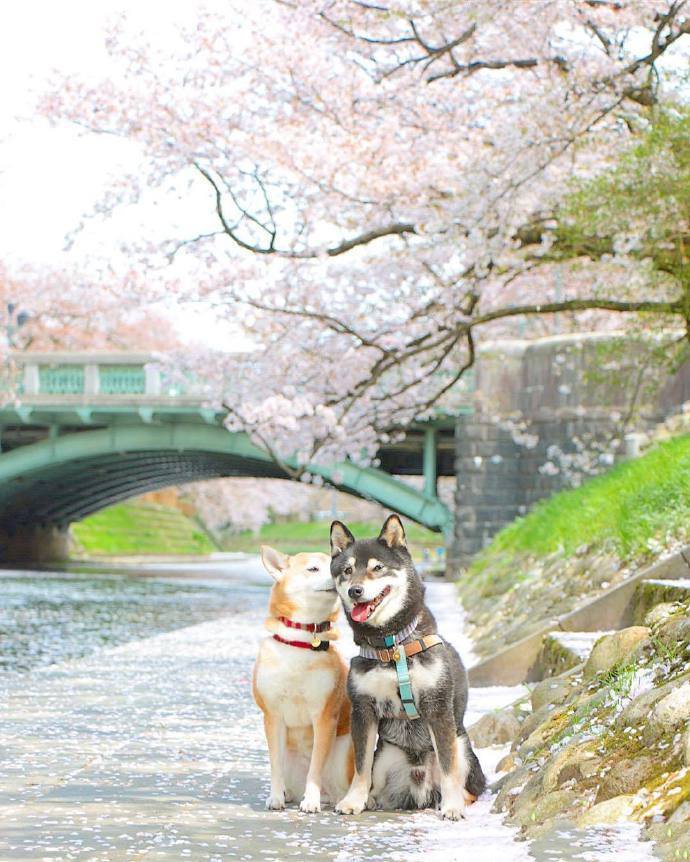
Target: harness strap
399,654
412,648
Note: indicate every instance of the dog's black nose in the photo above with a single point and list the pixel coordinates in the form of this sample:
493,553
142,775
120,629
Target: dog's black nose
355,592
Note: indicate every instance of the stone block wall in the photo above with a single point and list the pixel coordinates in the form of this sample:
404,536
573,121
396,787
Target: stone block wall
557,391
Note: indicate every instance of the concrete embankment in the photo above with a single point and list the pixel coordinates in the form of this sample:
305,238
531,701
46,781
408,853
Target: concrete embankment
613,608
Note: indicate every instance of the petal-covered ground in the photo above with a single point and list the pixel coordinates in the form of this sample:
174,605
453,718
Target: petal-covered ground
154,750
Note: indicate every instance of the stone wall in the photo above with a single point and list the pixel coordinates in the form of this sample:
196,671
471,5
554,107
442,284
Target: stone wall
34,544
544,410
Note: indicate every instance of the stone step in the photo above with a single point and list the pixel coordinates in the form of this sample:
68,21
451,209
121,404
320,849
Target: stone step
656,591
561,651
611,610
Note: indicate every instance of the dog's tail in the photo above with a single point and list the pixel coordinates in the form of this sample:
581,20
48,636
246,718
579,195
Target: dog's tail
475,783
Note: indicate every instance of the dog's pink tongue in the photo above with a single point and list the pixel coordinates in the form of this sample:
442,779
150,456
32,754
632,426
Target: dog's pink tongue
360,612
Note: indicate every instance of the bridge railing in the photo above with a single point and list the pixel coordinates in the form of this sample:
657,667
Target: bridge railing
93,374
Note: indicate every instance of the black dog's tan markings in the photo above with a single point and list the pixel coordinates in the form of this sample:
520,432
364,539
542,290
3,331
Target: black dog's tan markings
406,771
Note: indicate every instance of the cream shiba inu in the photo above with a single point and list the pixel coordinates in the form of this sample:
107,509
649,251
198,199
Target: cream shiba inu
299,683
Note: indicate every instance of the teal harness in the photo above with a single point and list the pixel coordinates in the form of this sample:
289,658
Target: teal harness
403,673
398,652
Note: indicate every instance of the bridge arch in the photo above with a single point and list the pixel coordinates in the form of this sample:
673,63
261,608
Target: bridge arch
53,482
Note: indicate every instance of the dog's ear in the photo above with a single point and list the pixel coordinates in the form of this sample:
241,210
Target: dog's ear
274,562
341,538
393,533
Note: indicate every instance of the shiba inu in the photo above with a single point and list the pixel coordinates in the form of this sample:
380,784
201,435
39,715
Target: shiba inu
408,686
299,683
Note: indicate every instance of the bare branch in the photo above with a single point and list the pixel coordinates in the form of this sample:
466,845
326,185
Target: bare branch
394,229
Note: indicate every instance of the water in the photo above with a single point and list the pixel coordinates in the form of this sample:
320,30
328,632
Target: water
128,732
47,618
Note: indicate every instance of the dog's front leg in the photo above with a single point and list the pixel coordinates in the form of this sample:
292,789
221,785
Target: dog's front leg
452,762
324,733
364,729
276,737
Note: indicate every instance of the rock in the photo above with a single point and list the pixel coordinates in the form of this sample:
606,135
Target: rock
533,721
671,839
554,691
637,711
674,633
686,747
669,714
614,649
627,776
494,728
606,813
510,787
681,814
532,811
508,763
566,765
660,614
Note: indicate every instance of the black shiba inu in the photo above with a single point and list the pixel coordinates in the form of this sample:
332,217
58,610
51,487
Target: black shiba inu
423,757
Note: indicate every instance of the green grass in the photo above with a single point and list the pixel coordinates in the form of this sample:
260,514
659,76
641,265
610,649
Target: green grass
313,536
626,510
140,528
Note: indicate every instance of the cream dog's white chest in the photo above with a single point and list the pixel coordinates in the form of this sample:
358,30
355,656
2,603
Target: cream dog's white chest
293,683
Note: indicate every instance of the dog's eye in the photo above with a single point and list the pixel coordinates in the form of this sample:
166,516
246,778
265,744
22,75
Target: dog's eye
313,569
348,570
378,567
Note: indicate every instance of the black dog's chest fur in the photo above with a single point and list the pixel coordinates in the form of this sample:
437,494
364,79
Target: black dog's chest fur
434,682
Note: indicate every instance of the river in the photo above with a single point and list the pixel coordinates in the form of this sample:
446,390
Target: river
128,732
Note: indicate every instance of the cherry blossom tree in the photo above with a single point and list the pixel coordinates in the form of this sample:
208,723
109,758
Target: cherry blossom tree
237,504
384,180
65,309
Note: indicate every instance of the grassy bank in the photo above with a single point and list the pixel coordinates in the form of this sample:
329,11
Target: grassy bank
146,528
629,512
313,536
577,544
140,528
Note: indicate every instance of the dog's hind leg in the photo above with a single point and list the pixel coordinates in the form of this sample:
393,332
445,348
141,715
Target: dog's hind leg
276,737
390,785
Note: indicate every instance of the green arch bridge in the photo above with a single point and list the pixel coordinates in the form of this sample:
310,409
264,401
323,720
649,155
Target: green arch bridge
87,431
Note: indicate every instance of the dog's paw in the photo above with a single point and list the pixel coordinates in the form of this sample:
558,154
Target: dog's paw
276,802
350,805
310,804
372,804
453,812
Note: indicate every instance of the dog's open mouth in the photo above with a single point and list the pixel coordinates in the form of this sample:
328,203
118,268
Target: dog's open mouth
363,610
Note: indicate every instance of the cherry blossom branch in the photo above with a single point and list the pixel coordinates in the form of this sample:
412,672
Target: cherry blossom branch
395,229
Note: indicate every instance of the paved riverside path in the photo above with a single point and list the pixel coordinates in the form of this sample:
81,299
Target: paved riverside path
154,751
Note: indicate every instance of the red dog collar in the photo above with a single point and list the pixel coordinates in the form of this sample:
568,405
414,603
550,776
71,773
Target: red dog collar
315,645
308,627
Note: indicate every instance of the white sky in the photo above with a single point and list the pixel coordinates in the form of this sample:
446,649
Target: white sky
50,176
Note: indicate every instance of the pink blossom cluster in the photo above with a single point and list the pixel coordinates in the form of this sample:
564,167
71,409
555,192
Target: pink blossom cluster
380,182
